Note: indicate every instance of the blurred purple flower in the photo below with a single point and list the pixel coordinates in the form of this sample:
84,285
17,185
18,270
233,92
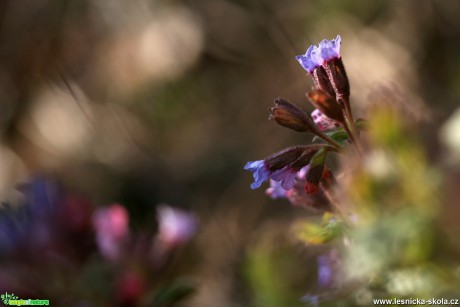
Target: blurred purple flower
328,264
308,62
175,226
112,229
259,171
42,195
276,190
324,271
10,235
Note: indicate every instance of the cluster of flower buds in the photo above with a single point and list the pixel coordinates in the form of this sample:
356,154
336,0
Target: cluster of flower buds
332,123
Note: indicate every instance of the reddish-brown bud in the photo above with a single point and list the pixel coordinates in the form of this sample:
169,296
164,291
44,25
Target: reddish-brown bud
295,156
327,105
338,77
290,116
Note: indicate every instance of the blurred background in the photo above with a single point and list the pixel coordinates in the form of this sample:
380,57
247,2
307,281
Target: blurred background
147,102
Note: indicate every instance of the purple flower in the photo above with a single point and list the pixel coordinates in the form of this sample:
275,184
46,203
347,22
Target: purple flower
308,62
316,56
282,166
325,272
175,226
327,50
276,190
286,176
259,171
328,265
112,229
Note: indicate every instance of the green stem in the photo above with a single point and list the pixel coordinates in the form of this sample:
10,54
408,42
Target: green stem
327,138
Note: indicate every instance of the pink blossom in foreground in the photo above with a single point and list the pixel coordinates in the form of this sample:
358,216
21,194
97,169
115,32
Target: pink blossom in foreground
112,229
175,226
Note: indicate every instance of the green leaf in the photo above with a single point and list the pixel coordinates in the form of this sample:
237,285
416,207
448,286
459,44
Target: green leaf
313,233
168,295
319,158
339,135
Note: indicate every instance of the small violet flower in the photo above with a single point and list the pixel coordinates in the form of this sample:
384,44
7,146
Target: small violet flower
276,189
175,226
308,61
259,171
328,50
317,55
112,229
286,176
282,166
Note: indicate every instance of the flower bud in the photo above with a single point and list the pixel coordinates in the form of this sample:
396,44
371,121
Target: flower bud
338,77
290,116
294,155
327,105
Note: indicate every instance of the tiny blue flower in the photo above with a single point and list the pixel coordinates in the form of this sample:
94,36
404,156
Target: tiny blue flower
308,62
259,171
327,50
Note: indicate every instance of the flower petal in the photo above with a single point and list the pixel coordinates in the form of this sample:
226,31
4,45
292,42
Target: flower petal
308,62
329,49
276,190
286,176
259,172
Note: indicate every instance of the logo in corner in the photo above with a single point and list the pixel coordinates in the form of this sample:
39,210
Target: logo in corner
10,299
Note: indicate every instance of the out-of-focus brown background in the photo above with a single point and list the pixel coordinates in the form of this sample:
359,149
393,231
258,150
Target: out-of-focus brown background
146,102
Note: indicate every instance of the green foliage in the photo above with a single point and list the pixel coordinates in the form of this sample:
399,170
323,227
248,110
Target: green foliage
312,233
172,293
276,273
